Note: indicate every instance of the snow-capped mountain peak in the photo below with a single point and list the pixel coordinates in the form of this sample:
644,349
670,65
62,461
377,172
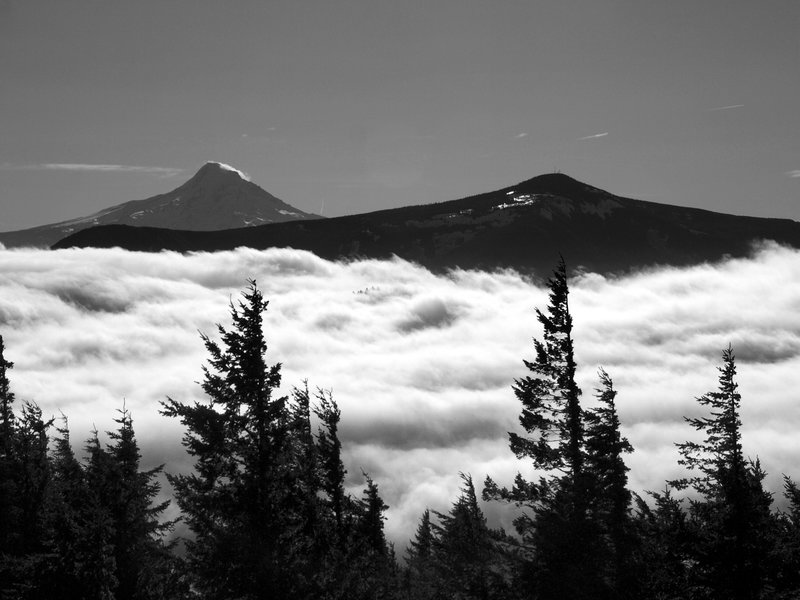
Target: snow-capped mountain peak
218,196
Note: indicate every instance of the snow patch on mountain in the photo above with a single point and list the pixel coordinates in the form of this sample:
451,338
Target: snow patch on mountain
241,174
521,200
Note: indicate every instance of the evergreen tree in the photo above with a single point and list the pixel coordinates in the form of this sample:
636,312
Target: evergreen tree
303,536
26,480
733,509
366,568
103,529
233,499
421,580
340,565
8,491
665,538
266,500
785,557
564,538
80,532
371,522
468,558
606,448
129,496
258,499
329,452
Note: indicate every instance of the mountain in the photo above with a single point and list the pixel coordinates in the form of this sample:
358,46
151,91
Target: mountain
217,197
524,227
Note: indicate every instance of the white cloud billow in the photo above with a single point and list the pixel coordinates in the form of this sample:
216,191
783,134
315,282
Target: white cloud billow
421,365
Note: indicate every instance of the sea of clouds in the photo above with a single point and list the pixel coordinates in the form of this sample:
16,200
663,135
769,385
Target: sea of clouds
421,365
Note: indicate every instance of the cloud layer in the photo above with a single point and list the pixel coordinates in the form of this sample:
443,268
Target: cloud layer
421,365
93,168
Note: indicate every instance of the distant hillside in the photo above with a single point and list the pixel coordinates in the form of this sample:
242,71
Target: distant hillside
217,197
523,227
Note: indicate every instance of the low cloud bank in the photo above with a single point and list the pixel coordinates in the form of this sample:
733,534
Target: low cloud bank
421,365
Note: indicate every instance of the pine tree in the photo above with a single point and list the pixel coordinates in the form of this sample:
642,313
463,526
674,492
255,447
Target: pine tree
24,480
561,533
606,448
733,508
303,536
371,522
8,490
665,539
129,495
329,452
80,531
550,398
366,567
241,500
785,557
22,557
468,559
421,580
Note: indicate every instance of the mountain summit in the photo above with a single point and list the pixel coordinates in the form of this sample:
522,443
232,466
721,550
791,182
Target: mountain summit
217,197
525,227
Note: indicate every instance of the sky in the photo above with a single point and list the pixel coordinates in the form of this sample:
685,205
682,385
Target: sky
355,105
422,365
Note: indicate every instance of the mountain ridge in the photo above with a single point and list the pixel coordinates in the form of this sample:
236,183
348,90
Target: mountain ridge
524,227
217,196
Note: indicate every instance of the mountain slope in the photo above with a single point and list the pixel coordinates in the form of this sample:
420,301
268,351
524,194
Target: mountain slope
524,227
216,197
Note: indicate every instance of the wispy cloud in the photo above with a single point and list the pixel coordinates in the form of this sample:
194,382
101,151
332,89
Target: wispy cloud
794,174
729,107
92,168
592,137
519,136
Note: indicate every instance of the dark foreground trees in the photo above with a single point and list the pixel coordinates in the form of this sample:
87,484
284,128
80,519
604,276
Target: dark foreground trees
456,555
73,529
731,514
266,502
575,524
270,515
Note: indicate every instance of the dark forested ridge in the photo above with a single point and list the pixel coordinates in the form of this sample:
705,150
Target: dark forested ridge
269,515
522,227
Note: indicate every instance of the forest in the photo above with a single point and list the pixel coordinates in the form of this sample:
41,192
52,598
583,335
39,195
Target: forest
269,515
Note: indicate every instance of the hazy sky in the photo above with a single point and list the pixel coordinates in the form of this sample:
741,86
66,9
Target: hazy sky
351,106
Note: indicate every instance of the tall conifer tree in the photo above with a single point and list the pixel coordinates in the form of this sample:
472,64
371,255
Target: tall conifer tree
467,554
80,531
421,579
732,512
562,534
606,448
239,440
8,486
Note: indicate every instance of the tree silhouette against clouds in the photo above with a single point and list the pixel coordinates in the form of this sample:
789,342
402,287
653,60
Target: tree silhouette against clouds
560,527
732,513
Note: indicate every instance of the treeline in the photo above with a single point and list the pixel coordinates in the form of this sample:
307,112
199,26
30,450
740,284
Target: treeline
270,516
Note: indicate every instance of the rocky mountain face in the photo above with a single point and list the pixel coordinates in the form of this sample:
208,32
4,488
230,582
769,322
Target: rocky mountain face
217,197
524,227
